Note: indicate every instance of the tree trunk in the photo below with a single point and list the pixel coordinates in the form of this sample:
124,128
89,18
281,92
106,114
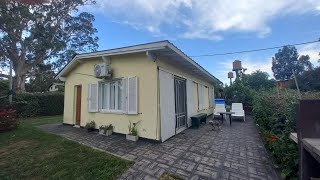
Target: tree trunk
20,71
20,80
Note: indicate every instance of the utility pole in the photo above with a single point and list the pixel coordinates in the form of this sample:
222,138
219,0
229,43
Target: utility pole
295,80
10,84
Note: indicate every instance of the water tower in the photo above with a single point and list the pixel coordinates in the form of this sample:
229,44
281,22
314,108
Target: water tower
230,76
237,67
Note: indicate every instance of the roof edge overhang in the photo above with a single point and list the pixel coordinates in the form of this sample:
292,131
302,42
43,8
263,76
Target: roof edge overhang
129,50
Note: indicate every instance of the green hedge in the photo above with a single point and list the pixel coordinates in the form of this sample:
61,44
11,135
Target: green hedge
275,116
39,104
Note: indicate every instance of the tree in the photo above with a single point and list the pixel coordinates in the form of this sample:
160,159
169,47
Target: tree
287,60
258,80
308,80
41,80
238,92
37,31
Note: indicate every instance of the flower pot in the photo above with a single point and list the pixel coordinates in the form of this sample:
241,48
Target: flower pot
102,131
132,138
108,132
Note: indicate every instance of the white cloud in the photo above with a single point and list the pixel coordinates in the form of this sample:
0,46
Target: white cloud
205,19
312,50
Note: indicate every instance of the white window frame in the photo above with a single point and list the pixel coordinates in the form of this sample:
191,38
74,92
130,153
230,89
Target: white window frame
100,98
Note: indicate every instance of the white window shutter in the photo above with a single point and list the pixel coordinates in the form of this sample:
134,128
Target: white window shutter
124,95
93,98
132,95
212,97
201,97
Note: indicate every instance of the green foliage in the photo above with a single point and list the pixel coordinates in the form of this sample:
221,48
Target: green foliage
238,93
38,104
4,87
258,80
287,60
42,79
106,127
133,128
90,125
43,31
275,116
308,80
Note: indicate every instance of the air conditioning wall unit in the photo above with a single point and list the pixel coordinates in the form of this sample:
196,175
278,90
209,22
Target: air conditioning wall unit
103,70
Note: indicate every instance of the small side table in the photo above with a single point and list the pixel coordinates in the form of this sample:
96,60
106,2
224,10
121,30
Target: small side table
226,113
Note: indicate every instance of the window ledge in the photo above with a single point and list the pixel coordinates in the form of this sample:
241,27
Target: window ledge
111,112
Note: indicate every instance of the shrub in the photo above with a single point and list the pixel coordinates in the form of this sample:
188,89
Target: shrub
90,126
39,104
239,93
8,119
275,116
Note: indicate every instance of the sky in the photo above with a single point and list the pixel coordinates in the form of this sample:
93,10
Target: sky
200,27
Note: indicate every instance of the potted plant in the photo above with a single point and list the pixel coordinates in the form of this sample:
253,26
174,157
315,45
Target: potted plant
108,130
102,130
133,132
90,126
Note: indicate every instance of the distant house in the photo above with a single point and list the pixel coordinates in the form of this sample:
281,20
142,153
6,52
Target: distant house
56,87
154,83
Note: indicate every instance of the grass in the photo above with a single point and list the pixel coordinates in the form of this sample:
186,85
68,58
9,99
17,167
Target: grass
29,153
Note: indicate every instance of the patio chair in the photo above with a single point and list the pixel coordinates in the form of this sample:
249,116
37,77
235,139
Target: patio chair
219,108
237,108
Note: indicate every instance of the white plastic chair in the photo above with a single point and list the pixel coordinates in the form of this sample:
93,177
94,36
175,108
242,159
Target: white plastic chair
237,108
219,108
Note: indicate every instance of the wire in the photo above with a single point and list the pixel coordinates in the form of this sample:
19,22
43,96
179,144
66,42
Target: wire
254,50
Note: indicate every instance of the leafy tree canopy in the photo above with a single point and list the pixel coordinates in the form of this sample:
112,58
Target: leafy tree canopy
308,80
287,60
36,31
258,80
42,78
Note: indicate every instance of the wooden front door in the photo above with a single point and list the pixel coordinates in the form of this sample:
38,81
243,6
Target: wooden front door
78,104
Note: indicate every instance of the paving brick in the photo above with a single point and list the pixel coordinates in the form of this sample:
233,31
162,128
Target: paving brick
234,152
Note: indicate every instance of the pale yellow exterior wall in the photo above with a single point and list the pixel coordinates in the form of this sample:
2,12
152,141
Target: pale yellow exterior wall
148,93
177,71
123,66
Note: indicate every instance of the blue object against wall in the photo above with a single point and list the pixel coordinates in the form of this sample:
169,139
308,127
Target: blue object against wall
220,101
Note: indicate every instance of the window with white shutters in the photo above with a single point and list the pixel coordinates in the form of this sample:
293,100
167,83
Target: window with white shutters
93,98
114,96
132,95
111,95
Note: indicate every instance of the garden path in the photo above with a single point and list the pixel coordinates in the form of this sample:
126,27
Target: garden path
234,152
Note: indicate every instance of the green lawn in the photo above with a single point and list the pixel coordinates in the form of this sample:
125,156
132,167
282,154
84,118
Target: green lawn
29,153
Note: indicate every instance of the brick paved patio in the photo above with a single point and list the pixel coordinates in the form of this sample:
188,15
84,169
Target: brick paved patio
234,152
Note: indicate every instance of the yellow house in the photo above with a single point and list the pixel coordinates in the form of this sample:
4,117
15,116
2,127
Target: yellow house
155,84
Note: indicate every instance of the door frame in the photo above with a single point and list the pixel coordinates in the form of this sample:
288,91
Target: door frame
78,101
177,78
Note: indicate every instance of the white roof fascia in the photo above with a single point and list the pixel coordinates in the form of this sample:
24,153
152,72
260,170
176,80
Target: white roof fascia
178,51
112,52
